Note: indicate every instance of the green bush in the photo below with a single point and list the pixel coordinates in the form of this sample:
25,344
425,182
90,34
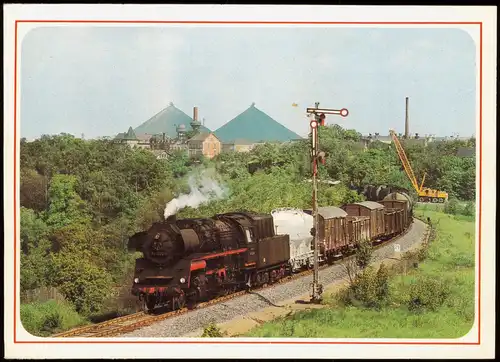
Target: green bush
81,282
417,255
369,289
469,209
212,331
422,253
364,253
452,207
463,260
428,293
44,319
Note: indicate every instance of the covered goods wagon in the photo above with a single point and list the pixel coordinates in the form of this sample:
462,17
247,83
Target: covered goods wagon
332,230
374,211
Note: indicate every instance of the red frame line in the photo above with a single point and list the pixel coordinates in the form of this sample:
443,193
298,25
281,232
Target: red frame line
255,23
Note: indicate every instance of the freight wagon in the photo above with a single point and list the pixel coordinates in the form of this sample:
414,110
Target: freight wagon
374,211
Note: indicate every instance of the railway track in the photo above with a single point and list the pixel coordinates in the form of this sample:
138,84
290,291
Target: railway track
131,322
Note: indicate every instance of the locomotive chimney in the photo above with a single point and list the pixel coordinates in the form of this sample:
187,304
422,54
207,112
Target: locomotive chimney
407,124
195,114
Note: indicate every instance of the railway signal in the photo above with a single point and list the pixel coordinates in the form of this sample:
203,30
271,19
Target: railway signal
319,116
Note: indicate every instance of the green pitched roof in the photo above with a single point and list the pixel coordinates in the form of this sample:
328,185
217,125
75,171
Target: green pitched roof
167,121
254,125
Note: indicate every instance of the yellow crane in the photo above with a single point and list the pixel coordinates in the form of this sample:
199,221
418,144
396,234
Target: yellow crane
424,194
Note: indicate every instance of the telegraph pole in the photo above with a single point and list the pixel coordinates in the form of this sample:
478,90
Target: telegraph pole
318,120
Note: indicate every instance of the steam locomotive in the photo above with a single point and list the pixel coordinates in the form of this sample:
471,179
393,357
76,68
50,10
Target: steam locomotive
188,261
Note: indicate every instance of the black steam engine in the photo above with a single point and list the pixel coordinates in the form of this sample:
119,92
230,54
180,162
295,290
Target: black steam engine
191,260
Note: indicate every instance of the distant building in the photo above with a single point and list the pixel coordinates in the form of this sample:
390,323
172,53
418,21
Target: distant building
128,138
168,119
415,139
239,145
206,144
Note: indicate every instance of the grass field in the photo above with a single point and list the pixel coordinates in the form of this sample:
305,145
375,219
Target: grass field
448,271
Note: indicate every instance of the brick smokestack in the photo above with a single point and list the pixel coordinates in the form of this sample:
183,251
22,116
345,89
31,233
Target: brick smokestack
195,114
407,121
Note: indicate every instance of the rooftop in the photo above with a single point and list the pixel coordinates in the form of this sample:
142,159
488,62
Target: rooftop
254,125
328,212
167,121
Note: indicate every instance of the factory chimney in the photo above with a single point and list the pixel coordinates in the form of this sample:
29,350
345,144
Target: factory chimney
407,124
195,124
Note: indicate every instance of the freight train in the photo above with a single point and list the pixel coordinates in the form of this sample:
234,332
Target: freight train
188,261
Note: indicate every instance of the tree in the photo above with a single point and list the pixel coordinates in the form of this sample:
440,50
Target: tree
33,190
35,248
80,280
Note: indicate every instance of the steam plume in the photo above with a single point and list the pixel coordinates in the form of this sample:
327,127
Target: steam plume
201,190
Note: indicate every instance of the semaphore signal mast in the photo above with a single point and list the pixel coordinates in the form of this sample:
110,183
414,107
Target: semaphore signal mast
319,116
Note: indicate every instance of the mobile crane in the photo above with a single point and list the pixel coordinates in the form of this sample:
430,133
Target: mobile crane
424,194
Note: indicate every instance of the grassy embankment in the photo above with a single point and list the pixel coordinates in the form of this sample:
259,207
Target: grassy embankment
410,308
44,319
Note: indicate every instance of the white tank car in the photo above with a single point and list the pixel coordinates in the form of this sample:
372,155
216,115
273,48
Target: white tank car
297,224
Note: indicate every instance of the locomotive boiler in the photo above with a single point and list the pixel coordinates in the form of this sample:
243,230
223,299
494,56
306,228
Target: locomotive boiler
192,260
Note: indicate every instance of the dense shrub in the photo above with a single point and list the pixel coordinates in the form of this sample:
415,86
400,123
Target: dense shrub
369,289
469,209
81,281
455,207
452,207
364,253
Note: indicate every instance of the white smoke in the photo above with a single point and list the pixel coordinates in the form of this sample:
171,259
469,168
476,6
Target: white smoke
201,190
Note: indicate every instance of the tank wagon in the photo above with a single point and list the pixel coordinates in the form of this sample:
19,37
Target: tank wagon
297,224
191,260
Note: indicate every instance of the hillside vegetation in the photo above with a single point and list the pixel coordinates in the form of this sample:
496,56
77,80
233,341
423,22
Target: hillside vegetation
81,200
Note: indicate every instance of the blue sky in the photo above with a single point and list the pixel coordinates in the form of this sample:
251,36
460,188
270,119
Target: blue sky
100,80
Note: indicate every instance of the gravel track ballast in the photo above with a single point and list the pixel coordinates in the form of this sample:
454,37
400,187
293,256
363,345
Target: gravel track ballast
222,312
